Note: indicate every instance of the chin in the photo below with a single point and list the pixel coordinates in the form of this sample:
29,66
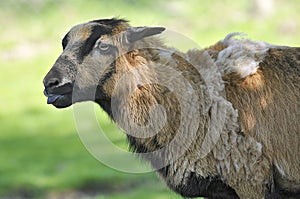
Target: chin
63,101
61,105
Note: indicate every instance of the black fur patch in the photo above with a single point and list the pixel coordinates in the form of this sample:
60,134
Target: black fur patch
283,194
88,45
197,186
101,97
105,27
65,41
113,22
278,192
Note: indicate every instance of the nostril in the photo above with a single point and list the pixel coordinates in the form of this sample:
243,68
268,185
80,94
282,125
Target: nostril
52,82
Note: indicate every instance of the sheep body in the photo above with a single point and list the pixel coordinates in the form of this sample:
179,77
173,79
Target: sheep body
241,157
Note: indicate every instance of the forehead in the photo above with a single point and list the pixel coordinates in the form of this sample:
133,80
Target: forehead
84,31
82,38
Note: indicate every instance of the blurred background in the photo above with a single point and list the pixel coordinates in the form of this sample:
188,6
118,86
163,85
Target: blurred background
41,155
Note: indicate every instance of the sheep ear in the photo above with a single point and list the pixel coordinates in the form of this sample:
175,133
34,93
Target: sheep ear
136,33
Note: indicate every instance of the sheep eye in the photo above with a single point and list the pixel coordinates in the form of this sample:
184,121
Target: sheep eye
105,48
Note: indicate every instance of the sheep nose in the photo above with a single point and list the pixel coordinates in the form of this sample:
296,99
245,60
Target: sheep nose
51,83
56,85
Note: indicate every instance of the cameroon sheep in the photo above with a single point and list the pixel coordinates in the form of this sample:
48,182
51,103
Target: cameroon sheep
222,122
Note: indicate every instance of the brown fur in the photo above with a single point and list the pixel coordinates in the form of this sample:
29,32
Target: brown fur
268,104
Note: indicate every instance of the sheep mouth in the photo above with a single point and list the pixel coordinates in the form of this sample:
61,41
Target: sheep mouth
63,100
59,100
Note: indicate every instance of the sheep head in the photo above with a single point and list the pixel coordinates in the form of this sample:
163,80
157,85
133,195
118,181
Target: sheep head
92,60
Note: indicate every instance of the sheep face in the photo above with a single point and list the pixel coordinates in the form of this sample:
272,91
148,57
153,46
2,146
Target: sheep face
88,66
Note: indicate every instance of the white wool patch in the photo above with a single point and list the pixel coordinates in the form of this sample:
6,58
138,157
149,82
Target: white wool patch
241,56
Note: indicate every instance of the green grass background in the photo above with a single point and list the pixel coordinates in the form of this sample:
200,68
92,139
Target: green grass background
41,155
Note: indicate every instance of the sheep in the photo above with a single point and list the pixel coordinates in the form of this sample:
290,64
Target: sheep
221,122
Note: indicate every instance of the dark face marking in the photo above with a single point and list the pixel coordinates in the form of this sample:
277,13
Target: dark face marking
113,22
65,41
88,45
105,27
